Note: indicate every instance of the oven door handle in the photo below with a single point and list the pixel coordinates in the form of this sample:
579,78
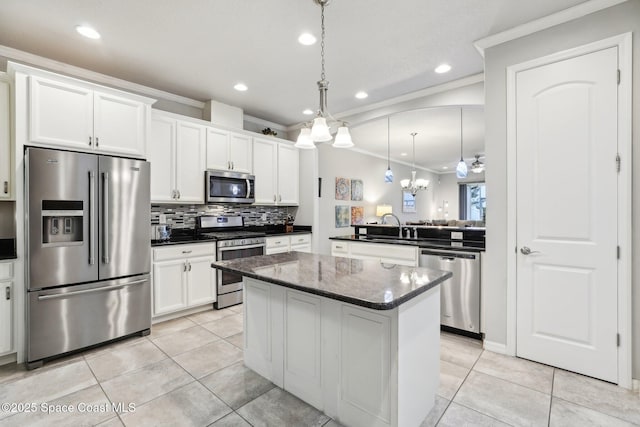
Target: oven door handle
234,248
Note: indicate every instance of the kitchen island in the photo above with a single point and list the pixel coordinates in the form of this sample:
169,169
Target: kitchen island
357,339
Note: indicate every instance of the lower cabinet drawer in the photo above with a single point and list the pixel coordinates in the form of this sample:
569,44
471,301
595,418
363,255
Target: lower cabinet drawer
184,251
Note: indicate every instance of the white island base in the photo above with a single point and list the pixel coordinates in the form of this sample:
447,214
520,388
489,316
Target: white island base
360,366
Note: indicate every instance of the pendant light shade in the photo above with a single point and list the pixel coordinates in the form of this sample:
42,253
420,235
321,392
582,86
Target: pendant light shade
388,175
320,130
461,169
343,138
304,140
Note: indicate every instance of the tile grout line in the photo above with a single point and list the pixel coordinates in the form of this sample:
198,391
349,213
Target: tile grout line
553,380
103,390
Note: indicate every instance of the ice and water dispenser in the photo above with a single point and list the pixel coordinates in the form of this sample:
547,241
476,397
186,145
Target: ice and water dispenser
62,222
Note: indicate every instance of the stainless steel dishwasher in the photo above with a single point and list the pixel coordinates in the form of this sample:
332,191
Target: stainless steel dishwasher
459,295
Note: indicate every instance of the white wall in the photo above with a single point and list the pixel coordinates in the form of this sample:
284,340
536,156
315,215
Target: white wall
446,190
610,22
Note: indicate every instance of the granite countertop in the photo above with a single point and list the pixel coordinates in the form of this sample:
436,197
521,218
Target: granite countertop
367,283
454,245
282,233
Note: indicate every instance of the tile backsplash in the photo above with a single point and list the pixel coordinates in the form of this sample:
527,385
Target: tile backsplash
184,216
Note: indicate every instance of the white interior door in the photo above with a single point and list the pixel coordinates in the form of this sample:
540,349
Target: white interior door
567,286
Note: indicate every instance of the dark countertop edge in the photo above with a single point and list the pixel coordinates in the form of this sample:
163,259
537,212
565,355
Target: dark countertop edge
361,303
8,257
419,243
286,234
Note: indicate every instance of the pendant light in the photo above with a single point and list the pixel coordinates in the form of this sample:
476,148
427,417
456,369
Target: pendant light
304,140
477,166
388,175
461,169
414,185
320,131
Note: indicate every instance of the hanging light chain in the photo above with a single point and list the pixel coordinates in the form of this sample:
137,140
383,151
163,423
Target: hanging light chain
461,135
322,38
413,134
388,143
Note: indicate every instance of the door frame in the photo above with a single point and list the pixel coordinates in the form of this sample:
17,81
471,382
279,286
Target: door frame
624,44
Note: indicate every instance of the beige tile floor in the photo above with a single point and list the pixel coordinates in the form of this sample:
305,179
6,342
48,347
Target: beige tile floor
189,372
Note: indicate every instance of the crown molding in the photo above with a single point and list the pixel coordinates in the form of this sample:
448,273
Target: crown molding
549,21
82,73
444,87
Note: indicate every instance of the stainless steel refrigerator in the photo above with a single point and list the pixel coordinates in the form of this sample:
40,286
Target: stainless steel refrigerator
88,244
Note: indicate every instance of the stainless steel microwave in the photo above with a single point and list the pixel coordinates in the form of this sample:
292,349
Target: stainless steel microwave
229,187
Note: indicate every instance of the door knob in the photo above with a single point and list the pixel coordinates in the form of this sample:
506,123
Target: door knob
525,250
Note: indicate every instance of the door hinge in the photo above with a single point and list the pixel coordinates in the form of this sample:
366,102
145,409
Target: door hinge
618,76
618,161
618,339
618,252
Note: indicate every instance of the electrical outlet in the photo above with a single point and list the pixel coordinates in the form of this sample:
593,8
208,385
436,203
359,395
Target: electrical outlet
362,230
264,217
162,219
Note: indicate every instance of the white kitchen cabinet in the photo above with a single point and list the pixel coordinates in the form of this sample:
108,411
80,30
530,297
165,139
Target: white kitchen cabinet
386,253
6,153
177,157
229,151
6,307
77,116
287,243
276,168
183,277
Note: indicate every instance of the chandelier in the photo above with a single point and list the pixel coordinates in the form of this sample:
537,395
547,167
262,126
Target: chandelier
414,185
320,131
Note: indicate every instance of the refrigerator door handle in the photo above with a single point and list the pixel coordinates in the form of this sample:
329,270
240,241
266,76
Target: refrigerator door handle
87,291
105,217
92,219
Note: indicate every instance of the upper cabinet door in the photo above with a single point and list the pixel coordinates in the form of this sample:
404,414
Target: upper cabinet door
241,153
119,125
217,149
288,179
161,155
265,154
60,114
5,142
190,162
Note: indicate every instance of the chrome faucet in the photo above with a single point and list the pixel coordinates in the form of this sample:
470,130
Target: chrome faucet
383,218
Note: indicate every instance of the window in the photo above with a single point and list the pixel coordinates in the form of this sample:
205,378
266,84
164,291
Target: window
408,202
473,201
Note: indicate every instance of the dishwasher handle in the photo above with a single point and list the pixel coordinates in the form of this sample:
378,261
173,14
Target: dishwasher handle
449,255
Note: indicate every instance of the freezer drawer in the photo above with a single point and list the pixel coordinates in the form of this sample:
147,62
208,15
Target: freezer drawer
66,319
459,295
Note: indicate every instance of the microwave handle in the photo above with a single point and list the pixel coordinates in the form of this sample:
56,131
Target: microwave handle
248,188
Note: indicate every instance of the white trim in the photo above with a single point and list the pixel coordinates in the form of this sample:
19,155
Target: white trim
543,23
8,358
368,153
182,313
636,386
82,73
495,347
624,44
465,81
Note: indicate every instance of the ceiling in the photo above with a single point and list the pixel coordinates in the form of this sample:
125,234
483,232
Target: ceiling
199,49
437,140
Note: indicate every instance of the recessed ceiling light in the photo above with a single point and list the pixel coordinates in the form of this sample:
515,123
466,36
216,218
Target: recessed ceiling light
443,68
240,87
87,32
445,167
308,112
306,39
361,95
403,154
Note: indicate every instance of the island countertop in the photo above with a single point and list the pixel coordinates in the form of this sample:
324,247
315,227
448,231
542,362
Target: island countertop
367,283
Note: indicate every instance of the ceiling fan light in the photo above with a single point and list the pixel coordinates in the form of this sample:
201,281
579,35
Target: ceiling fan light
477,166
304,140
343,138
320,130
461,169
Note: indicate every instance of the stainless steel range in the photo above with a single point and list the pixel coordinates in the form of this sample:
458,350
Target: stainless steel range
232,242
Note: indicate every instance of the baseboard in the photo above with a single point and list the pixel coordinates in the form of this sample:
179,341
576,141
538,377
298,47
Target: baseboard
188,312
636,386
9,358
495,347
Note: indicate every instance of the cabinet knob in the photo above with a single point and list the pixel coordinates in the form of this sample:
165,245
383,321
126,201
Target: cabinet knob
97,141
233,166
274,197
6,187
89,140
280,197
7,292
